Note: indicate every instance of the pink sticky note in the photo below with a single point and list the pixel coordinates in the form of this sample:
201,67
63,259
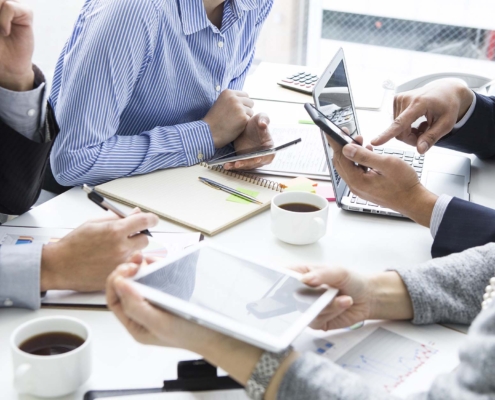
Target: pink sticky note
326,192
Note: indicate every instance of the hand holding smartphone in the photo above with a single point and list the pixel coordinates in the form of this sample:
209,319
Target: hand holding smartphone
327,126
333,131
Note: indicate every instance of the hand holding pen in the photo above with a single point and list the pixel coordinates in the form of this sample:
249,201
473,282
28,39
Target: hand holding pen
100,201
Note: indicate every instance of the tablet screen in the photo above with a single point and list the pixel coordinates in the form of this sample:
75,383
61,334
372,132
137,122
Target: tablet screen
235,288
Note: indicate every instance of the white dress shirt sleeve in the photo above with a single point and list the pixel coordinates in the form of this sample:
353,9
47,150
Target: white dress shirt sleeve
20,276
22,111
468,115
438,213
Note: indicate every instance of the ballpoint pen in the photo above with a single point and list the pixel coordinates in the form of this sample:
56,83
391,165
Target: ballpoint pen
99,200
219,186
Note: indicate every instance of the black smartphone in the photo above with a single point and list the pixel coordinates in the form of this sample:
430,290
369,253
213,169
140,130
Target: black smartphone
252,153
327,126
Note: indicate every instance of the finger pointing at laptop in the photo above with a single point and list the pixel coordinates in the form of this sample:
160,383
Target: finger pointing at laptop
443,103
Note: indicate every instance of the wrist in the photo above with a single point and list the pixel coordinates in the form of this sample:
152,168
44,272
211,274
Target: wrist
237,358
213,130
49,277
418,205
21,82
466,98
390,298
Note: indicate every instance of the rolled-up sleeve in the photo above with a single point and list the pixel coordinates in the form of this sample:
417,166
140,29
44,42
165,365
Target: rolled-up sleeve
20,276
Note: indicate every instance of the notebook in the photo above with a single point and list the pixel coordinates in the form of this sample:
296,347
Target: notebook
177,194
307,159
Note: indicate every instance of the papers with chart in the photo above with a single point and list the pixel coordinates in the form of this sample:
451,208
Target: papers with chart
160,245
304,159
397,357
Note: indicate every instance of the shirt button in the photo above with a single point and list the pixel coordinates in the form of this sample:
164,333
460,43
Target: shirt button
220,44
218,88
31,112
8,303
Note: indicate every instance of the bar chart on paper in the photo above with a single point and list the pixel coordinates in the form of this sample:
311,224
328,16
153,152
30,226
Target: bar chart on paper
386,358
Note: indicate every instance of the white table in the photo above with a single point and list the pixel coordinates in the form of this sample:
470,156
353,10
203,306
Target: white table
118,361
362,242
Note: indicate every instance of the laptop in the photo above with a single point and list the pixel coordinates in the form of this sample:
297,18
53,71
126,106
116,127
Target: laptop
439,173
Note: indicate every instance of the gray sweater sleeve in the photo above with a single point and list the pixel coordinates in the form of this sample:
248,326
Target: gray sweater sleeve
442,290
450,289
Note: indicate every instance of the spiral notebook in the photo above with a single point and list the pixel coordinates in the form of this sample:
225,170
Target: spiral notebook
177,194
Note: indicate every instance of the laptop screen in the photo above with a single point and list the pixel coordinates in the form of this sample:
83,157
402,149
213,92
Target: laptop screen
335,101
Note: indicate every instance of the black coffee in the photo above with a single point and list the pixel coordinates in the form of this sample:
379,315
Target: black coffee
299,207
51,344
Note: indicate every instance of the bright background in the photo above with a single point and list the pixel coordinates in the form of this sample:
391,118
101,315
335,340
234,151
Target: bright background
393,38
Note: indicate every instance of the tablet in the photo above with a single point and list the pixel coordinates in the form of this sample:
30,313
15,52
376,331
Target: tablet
247,154
265,306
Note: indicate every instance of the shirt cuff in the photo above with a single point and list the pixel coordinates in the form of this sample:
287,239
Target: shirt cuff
20,276
22,111
468,115
197,141
438,213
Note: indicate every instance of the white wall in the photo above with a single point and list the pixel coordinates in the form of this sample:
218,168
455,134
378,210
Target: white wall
53,23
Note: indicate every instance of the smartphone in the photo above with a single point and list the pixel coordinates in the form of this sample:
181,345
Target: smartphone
327,126
251,153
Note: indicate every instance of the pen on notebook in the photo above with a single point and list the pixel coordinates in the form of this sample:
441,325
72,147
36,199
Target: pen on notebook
219,186
99,200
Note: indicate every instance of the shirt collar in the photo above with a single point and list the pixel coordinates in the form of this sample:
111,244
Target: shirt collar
244,5
194,17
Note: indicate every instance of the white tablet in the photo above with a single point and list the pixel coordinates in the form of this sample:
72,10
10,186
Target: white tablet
265,306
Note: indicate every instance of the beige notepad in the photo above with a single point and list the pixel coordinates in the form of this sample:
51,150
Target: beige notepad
178,195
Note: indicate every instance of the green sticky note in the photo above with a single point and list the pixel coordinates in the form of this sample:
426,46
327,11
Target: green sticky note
306,122
235,199
303,187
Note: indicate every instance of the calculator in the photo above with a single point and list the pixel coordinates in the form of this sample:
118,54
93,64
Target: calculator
303,82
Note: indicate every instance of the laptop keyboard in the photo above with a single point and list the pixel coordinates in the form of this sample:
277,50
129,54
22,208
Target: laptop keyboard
414,159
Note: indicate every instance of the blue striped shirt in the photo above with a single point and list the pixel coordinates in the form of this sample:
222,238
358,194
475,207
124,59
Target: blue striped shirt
135,79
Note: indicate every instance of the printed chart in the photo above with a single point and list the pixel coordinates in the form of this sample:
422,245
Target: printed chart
386,359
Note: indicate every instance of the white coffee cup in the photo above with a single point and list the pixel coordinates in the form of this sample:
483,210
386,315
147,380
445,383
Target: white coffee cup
299,227
51,376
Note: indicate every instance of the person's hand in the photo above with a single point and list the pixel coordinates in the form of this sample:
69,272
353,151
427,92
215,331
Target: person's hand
229,116
390,182
442,102
16,46
255,135
148,324
360,297
353,303
83,259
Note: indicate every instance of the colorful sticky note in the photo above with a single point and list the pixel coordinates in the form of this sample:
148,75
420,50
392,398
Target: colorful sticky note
239,200
326,192
303,187
297,182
